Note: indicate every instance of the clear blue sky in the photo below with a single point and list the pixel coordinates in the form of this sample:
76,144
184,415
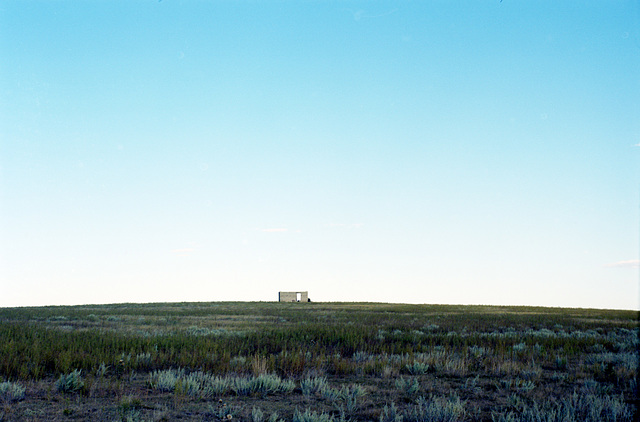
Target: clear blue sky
476,152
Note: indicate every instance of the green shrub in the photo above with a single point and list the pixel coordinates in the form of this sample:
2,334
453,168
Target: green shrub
257,415
265,384
471,384
216,386
206,385
188,385
71,382
143,360
309,416
165,380
417,368
11,391
102,370
409,387
345,398
520,347
517,384
271,384
312,385
561,363
390,414
350,397
241,386
275,417
436,409
128,404
575,408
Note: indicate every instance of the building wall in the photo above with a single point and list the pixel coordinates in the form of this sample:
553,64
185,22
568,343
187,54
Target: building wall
293,296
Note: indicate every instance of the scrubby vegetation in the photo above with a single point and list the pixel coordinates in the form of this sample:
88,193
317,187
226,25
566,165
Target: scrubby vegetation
318,361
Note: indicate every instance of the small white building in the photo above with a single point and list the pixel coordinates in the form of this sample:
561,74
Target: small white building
293,296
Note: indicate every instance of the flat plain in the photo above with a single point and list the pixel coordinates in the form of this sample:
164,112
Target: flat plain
317,362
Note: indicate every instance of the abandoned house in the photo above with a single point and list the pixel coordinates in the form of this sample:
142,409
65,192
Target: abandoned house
293,296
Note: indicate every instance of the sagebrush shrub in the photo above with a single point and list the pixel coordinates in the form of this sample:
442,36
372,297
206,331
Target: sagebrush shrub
309,416
71,382
436,409
408,387
575,408
390,414
417,368
165,380
11,391
312,385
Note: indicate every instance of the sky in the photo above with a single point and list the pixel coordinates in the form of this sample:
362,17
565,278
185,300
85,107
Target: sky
449,152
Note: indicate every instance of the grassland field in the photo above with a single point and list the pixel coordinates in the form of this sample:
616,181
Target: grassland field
317,362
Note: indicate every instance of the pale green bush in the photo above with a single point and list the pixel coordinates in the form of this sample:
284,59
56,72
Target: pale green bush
409,387
188,385
390,414
517,384
257,415
309,416
71,382
143,360
216,386
312,385
575,408
207,385
165,380
11,391
417,368
346,398
436,409
102,370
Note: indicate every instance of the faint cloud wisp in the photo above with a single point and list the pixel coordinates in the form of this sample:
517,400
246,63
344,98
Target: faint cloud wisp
631,263
360,14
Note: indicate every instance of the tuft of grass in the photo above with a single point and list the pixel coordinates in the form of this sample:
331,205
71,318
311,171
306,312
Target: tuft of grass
259,365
